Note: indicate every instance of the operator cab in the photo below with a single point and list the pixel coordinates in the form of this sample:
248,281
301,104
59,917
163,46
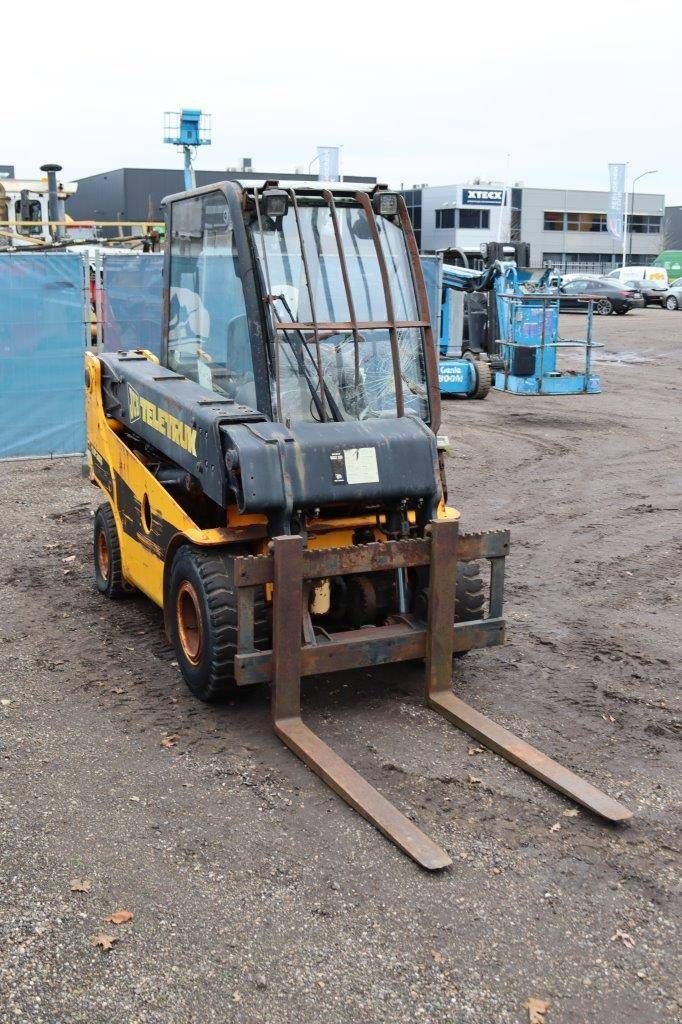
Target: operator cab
307,305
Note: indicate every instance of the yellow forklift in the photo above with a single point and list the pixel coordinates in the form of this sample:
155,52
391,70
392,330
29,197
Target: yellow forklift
275,481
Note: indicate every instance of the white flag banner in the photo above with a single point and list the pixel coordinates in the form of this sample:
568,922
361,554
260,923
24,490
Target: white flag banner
330,163
616,212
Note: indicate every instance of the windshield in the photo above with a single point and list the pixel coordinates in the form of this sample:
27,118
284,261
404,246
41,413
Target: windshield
322,268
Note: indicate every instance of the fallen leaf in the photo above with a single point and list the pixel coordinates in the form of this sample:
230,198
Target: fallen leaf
5,702
537,1008
437,956
135,799
119,917
556,827
570,812
473,780
475,750
236,996
170,741
69,558
80,885
497,871
624,937
104,941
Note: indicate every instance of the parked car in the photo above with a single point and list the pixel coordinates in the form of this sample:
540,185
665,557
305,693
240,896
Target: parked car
673,296
651,273
653,292
608,297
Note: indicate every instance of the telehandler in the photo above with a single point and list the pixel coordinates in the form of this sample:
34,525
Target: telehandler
274,483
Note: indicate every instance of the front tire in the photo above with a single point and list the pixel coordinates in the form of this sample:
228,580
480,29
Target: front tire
107,555
671,302
202,620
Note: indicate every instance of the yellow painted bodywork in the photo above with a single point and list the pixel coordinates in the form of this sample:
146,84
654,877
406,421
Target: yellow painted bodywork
142,557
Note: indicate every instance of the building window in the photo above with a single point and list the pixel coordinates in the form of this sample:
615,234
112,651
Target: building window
554,221
586,222
476,219
642,224
445,218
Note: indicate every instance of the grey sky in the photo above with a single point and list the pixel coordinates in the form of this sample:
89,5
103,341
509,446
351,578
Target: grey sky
432,92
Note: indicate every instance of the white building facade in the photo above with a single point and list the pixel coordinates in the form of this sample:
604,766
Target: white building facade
564,227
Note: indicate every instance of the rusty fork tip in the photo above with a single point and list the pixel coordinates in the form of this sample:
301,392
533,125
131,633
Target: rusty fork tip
436,862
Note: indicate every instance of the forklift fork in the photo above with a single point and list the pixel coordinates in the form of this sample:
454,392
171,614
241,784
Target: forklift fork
287,568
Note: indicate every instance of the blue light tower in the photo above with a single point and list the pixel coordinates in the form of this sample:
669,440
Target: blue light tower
187,129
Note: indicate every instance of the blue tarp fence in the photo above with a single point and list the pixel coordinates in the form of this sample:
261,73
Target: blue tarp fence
44,324
132,301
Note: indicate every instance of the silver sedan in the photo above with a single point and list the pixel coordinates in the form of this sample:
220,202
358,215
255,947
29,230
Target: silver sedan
673,296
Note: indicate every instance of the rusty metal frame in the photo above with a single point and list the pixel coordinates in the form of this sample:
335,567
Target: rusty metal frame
424,313
288,725
297,652
353,325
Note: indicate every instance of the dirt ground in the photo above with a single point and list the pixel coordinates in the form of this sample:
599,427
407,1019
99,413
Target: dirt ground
257,895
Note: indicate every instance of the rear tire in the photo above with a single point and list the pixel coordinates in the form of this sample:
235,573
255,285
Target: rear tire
202,620
604,307
107,555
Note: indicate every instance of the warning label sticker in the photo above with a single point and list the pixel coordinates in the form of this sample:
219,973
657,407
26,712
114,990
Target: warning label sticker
361,465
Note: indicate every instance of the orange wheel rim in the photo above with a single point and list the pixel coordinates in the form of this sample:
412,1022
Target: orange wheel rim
188,618
102,555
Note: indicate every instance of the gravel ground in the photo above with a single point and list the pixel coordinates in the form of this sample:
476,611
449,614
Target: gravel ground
257,895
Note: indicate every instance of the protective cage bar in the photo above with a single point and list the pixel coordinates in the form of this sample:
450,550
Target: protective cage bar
290,567
352,326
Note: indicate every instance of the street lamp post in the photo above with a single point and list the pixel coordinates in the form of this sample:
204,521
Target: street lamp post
632,211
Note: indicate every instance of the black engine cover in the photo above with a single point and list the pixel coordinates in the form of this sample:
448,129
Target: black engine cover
368,463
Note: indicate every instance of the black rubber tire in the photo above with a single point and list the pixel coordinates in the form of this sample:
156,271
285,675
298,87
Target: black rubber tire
469,593
109,577
671,303
210,574
606,307
484,375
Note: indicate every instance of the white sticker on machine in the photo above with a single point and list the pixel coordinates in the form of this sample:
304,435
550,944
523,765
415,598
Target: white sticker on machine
361,465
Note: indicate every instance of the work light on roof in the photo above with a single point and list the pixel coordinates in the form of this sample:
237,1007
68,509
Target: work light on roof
275,202
386,204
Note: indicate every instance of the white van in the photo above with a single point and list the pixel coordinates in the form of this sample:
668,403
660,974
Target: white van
659,275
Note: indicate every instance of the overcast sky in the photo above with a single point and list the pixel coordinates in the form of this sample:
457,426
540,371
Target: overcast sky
435,92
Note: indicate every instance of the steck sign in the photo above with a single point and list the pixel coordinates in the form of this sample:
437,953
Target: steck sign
482,196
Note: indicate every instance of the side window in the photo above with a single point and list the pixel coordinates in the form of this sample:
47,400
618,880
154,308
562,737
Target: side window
208,336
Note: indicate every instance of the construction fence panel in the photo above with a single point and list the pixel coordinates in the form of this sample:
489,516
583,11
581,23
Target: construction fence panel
132,301
44,328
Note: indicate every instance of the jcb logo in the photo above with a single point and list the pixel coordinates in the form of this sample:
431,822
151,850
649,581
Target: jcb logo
133,404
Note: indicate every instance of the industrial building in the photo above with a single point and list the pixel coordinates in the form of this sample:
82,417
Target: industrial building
135,193
672,228
564,227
